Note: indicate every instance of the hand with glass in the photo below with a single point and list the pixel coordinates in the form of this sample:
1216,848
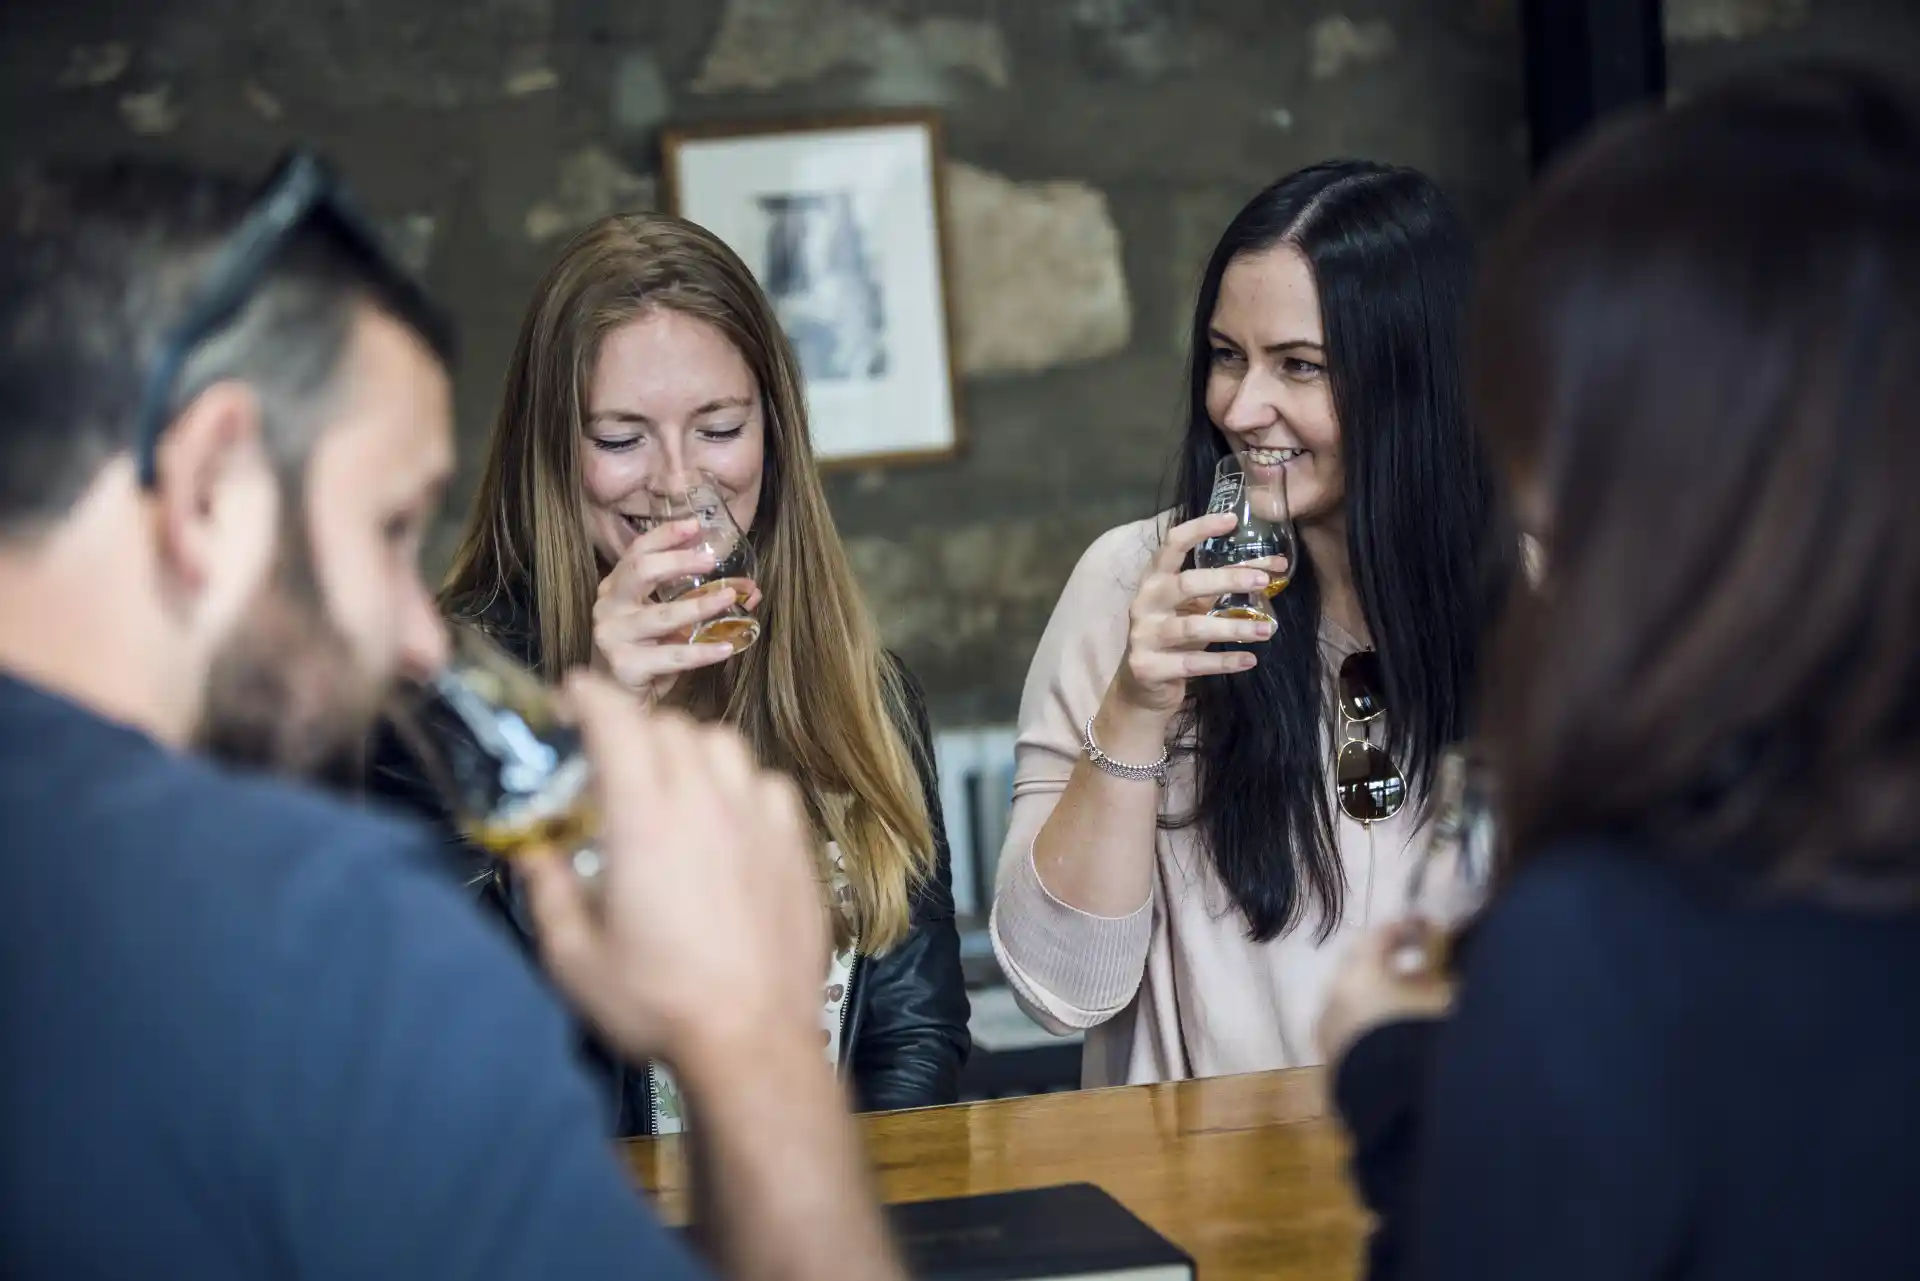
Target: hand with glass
731,574
506,763
1404,969
1242,551
698,941
682,595
1252,486
511,761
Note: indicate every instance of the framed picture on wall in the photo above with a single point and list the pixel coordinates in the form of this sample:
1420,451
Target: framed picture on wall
841,223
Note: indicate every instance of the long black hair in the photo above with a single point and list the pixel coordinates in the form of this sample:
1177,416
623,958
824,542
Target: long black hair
1393,265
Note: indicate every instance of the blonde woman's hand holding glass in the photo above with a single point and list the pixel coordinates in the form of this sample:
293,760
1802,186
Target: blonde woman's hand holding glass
641,641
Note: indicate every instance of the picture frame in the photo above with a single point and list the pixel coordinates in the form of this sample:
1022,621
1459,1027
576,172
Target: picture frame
843,223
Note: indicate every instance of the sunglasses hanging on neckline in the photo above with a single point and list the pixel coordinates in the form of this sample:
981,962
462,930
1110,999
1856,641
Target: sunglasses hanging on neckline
1369,786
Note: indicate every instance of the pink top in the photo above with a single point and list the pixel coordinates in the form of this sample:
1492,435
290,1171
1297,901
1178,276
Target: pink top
1176,989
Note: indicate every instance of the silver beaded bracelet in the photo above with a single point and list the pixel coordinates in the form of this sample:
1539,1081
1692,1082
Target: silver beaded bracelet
1157,772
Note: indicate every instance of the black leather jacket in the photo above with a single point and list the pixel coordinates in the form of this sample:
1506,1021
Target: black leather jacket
905,1038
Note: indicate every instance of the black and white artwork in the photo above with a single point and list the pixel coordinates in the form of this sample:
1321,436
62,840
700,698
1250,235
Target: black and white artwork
840,224
821,276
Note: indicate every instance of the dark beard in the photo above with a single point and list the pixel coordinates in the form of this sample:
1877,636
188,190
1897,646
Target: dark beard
286,695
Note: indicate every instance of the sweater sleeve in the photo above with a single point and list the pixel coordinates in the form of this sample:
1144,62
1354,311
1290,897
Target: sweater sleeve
1069,969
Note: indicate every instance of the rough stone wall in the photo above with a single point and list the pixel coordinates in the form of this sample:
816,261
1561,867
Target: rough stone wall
1710,39
1097,148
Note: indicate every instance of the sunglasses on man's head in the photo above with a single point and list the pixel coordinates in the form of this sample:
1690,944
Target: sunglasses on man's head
300,189
1369,785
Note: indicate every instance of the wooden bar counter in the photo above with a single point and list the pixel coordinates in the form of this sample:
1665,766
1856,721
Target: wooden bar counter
1245,1173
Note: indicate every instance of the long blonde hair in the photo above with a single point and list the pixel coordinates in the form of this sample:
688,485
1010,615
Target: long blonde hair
817,697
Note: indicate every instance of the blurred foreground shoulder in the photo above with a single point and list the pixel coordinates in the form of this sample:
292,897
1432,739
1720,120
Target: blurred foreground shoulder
302,1047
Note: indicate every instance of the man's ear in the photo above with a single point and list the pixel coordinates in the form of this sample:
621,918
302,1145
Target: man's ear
206,460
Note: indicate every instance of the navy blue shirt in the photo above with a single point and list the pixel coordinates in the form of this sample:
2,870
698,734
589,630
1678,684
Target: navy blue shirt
1651,1074
251,1032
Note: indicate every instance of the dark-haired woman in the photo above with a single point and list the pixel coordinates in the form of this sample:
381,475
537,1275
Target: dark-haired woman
1687,1039
1180,872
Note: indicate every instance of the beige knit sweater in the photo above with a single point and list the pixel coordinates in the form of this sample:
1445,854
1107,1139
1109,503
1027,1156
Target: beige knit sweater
1175,989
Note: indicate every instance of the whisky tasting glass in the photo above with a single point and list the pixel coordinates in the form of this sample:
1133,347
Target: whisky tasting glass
1453,875
509,767
698,498
1253,486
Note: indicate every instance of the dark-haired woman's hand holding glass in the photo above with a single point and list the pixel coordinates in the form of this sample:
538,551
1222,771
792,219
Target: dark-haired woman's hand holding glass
1171,629
642,641
1170,626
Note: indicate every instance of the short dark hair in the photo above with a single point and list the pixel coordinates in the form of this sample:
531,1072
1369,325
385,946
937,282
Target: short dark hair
97,265
1702,337
1392,263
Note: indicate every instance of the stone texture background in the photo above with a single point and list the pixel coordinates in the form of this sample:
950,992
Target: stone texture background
1096,149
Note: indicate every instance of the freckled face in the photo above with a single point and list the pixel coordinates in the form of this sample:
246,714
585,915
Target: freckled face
1267,385
669,396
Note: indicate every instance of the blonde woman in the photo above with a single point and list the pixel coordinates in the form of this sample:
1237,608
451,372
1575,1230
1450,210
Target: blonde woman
648,354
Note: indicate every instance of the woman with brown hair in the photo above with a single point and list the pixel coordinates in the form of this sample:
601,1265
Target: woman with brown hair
650,355
1686,1042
